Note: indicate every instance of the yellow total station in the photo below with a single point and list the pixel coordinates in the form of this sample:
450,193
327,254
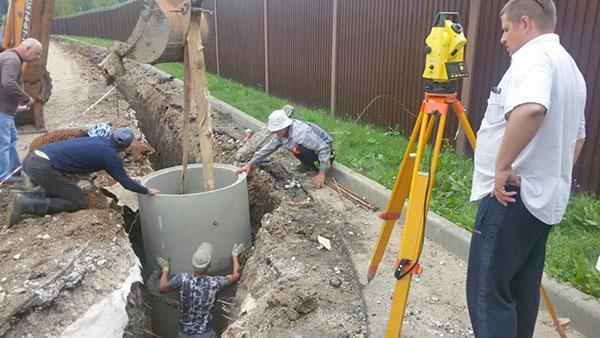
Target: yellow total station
445,49
414,180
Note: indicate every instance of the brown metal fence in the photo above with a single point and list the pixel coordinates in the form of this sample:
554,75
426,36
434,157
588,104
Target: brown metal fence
365,58
240,31
115,22
299,45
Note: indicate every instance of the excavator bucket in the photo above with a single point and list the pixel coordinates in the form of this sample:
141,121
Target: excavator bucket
159,35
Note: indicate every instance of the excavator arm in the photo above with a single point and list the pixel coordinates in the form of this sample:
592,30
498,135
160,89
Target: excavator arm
158,36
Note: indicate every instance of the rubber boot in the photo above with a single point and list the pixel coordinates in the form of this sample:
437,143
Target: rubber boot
35,192
31,202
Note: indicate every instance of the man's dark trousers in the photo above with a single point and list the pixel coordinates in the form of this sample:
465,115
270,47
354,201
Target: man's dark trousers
63,194
506,261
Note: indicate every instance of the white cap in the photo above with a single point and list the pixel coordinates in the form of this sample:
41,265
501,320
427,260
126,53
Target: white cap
278,120
203,255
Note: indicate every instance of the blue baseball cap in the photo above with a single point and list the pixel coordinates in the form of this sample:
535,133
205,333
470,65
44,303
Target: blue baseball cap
122,136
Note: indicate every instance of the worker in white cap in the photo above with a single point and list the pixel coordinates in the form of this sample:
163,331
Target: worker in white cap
198,290
307,141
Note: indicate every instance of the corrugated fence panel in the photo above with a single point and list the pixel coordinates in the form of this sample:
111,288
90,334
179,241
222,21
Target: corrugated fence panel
116,22
241,41
489,62
299,43
210,48
381,56
578,27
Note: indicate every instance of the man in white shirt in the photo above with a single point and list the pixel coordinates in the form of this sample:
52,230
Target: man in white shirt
529,139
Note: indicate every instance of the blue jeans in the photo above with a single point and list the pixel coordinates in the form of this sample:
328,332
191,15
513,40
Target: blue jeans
309,157
506,261
9,159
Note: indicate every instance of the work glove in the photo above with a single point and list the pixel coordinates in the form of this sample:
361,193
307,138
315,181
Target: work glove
163,263
238,248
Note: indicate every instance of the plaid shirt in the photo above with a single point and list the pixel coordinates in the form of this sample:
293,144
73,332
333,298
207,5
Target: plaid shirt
302,133
197,295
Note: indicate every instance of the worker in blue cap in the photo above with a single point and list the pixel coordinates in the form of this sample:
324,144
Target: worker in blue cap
47,165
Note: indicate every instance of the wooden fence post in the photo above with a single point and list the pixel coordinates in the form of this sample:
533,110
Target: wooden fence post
266,38
467,88
216,37
333,57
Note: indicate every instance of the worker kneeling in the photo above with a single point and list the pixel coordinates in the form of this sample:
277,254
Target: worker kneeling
46,167
198,291
307,141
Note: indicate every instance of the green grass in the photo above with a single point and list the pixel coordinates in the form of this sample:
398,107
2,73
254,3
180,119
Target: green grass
573,246
92,41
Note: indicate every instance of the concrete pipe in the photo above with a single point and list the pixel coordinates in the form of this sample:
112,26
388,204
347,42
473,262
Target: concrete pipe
173,225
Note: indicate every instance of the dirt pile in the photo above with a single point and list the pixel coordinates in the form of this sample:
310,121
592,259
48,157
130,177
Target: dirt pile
56,268
298,288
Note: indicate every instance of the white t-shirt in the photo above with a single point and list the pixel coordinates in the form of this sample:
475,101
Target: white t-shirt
542,72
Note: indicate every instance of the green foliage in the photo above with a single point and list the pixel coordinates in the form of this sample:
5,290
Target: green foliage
173,68
573,246
3,9
70,7
92,41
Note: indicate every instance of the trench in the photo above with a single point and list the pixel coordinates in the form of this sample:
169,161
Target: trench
164,308
298,289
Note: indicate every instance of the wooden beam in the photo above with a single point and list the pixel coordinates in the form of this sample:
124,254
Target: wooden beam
334,20
185,139
266,40
199,94
467,85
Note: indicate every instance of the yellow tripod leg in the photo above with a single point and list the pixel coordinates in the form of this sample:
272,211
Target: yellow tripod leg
459,111
410,247
392,213
395,203
560,327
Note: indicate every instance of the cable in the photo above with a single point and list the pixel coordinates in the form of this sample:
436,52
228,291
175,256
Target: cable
378,97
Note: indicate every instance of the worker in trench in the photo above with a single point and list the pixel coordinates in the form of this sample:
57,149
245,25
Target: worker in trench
198,290
308,142
46,167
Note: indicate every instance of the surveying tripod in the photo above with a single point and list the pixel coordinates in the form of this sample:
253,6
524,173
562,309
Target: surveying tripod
444,65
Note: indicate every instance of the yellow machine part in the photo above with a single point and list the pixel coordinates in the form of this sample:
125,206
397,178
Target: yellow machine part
445,45
31,19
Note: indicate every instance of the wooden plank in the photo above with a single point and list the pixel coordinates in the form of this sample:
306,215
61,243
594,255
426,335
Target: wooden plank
185,139
200,96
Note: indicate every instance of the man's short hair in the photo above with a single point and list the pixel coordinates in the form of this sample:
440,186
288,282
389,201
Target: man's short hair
542,12
31,43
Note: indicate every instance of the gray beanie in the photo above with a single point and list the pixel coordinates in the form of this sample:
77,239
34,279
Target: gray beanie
203,255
